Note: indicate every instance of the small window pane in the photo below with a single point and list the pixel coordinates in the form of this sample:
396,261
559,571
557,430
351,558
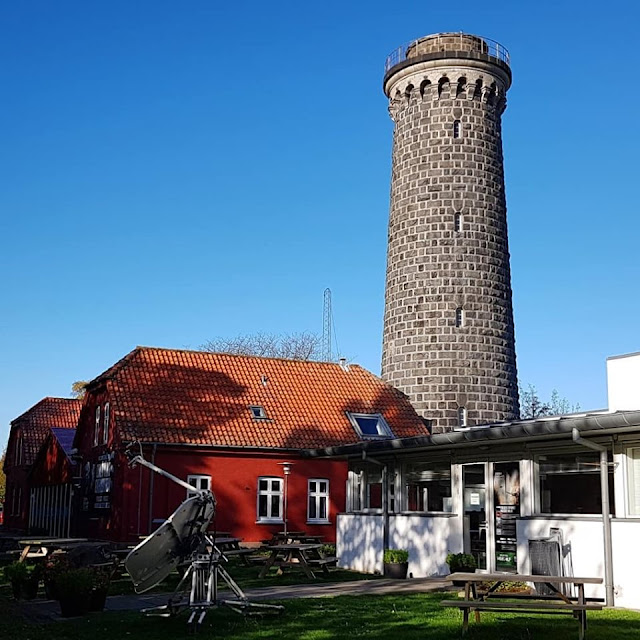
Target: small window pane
368,426
264,485
323,487
323,508
313,514
312,486
262,506
275,485
275,506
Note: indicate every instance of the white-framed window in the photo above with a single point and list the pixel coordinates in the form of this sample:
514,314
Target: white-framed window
270,498
457,129
633,469
105,429
258,412
462,416
318,500
354,490
19,449
96,430
199,483
370,425
459,317
457,222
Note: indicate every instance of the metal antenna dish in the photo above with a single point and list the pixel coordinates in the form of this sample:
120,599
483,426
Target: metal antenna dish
157,556
182,539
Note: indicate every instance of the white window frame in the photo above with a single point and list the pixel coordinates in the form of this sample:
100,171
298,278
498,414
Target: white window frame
317,496
105,422
269,493
457,129
259,410
457,222
459,317
463,420
383,428
96,429
198,479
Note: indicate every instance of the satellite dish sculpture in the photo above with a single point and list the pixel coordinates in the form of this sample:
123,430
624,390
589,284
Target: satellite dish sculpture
183,540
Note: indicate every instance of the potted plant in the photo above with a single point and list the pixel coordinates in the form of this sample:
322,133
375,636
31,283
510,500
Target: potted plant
17,574
54,565
74,588
396,563
101,580
461,562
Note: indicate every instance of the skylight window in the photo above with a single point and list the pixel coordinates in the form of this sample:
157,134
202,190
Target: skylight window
370,425
258,412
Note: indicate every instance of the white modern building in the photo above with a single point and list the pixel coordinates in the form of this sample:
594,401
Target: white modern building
523,496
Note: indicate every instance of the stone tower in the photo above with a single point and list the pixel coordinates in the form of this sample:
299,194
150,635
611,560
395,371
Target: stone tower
448,323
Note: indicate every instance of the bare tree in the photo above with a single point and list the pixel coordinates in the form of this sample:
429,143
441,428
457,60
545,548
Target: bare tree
532,406
293,346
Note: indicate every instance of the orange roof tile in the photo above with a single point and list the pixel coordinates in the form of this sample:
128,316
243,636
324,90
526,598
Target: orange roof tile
35,423
195,397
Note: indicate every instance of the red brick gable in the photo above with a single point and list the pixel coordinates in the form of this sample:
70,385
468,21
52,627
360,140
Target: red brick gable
194,397
34,424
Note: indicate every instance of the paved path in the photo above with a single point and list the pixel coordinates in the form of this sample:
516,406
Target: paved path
47,610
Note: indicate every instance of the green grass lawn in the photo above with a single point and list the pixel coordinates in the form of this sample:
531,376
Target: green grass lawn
377,618
247,578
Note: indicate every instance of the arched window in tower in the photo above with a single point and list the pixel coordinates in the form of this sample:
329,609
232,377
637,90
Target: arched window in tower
457,221
456,128
459,317
462,417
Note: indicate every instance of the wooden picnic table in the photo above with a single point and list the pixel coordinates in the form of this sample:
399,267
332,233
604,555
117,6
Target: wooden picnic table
494,600
230,546
45,545
302,556
292,537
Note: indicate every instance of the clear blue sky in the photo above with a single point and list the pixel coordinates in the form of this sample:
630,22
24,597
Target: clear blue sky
176,171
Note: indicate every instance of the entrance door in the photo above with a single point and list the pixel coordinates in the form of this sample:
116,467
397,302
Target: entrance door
506,505
475,513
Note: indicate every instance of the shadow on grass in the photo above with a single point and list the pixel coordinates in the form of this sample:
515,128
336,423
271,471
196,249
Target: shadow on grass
376,618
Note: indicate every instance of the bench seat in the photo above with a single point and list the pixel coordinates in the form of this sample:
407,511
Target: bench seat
520,606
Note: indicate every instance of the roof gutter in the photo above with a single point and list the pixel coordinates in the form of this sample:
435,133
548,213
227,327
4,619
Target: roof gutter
555,427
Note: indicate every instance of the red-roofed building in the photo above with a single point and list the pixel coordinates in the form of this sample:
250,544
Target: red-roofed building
227,422
26,437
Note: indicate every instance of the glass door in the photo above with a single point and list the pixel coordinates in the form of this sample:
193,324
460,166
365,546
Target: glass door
506,505
475,513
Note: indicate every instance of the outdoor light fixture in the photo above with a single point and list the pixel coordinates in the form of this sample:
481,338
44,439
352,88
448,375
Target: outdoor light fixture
286,468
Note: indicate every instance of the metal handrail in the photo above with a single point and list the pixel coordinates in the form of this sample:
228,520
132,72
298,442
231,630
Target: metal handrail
494,50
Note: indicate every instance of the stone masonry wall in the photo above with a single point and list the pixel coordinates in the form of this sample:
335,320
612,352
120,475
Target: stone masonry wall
437,265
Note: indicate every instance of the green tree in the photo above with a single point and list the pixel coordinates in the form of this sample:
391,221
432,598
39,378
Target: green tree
78,389
532,406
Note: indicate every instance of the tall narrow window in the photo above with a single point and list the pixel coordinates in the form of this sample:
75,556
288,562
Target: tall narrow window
633,464
270,499
456,128
459,317
457,222
462,417
105,428
96,431
318,504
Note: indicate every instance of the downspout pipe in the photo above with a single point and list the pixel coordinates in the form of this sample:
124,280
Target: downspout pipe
385,498
606,512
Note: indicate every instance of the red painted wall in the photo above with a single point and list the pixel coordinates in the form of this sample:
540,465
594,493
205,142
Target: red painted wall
51,466
234,477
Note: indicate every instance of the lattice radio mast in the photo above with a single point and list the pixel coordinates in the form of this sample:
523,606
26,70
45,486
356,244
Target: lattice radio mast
326,326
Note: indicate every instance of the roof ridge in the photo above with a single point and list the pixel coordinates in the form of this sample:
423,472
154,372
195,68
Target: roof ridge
245,355
37,404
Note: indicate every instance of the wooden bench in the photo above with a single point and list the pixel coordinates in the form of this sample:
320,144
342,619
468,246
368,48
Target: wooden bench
517,603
